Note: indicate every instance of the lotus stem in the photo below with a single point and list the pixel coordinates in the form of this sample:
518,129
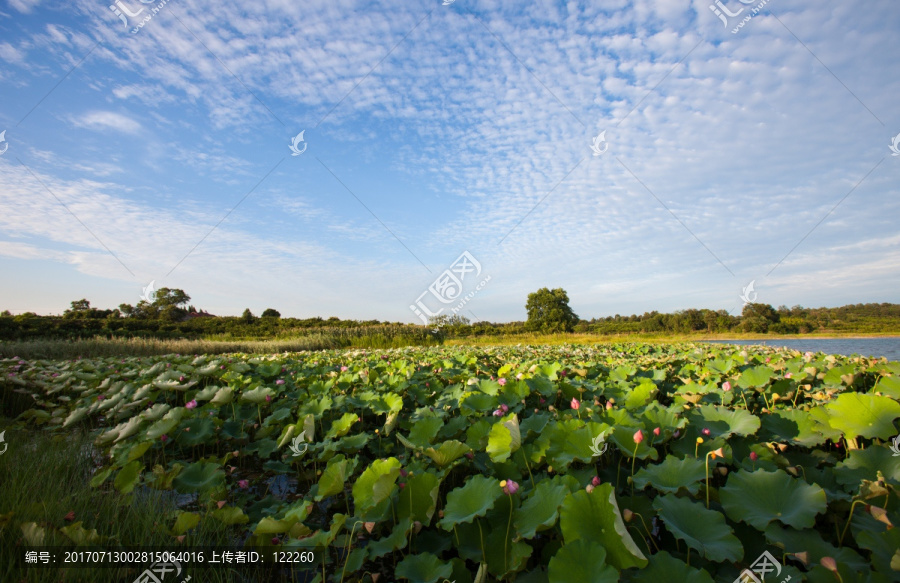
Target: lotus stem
483,557
349,542
707,478
849,518
525,457
649,535
506,540
633,459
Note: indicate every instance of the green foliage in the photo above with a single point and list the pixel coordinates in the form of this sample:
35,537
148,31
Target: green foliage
549,311
404,452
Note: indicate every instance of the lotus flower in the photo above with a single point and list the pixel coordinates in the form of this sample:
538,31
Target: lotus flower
638,436
829,563
753,456
576,404
268,398
726,386
788,375
595,481
243,484
164,438
706,431
501,381
627,515
504,408
717,453
498,413
656,432
279,382
609,405
344,369
190,404
275,540
589,488
509,487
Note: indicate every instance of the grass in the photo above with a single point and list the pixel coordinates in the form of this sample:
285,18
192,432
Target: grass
99,347
44,478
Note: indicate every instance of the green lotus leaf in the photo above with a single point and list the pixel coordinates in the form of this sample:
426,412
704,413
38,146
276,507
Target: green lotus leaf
335,476
471,403
595,517
541,510
883,543
269,525
424,431
810,541
756,377
166,424
623,437
665,567
864,415
184,522
197,431
504,438
75,416
394,542
724,422
889,386
474,499
258,395
128,477
489,387
418,500
155,412
199,477
342,426
230,515
760,497
423,568
792,426
701,529
672,474
80,536
641,395
449,452
376,483
542,385
223,396
581,561
101,477
505,555
207,393
865,464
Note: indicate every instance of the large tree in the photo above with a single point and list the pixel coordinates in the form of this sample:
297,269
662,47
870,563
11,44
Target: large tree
549,311
758,318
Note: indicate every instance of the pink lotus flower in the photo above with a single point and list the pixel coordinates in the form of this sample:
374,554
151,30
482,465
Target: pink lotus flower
509,487
504,408
788,375
609,405
344,369
656,432
638,436
244,484
181,379
101,397
268,398
498,413
275,540
402,485
470,455
502,381
403,472
519,376
164,438
190,404
726,386
706,431
279,382
595,481
543,400
576,404
753,456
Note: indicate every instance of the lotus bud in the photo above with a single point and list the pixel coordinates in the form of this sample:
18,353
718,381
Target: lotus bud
638,436
803,557
628,515
829,563
589,488
754,456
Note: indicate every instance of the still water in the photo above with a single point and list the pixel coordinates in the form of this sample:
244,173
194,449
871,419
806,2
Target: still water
888,347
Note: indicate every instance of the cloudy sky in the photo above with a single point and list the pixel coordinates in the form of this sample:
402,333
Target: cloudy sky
152,142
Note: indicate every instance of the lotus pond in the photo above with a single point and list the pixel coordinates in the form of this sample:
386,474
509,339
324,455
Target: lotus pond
568,464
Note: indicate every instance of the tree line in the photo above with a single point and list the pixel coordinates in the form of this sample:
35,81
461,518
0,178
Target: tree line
169,314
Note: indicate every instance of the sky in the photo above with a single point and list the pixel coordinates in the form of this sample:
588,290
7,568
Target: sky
456,155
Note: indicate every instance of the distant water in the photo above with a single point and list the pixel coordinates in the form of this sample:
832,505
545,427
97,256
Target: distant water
888,347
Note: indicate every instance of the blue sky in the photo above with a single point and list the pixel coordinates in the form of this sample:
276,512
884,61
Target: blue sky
163,155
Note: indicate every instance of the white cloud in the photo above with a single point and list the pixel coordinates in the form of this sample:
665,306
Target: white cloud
107,120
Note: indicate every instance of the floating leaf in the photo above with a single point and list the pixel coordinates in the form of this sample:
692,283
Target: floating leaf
760,497
864,415
423,568
448,452
595,517
199,477
665,567
701,529
672,474
472,500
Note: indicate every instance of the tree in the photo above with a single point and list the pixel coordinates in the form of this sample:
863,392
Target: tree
270,313
758,318
549,311
248,316
80,309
